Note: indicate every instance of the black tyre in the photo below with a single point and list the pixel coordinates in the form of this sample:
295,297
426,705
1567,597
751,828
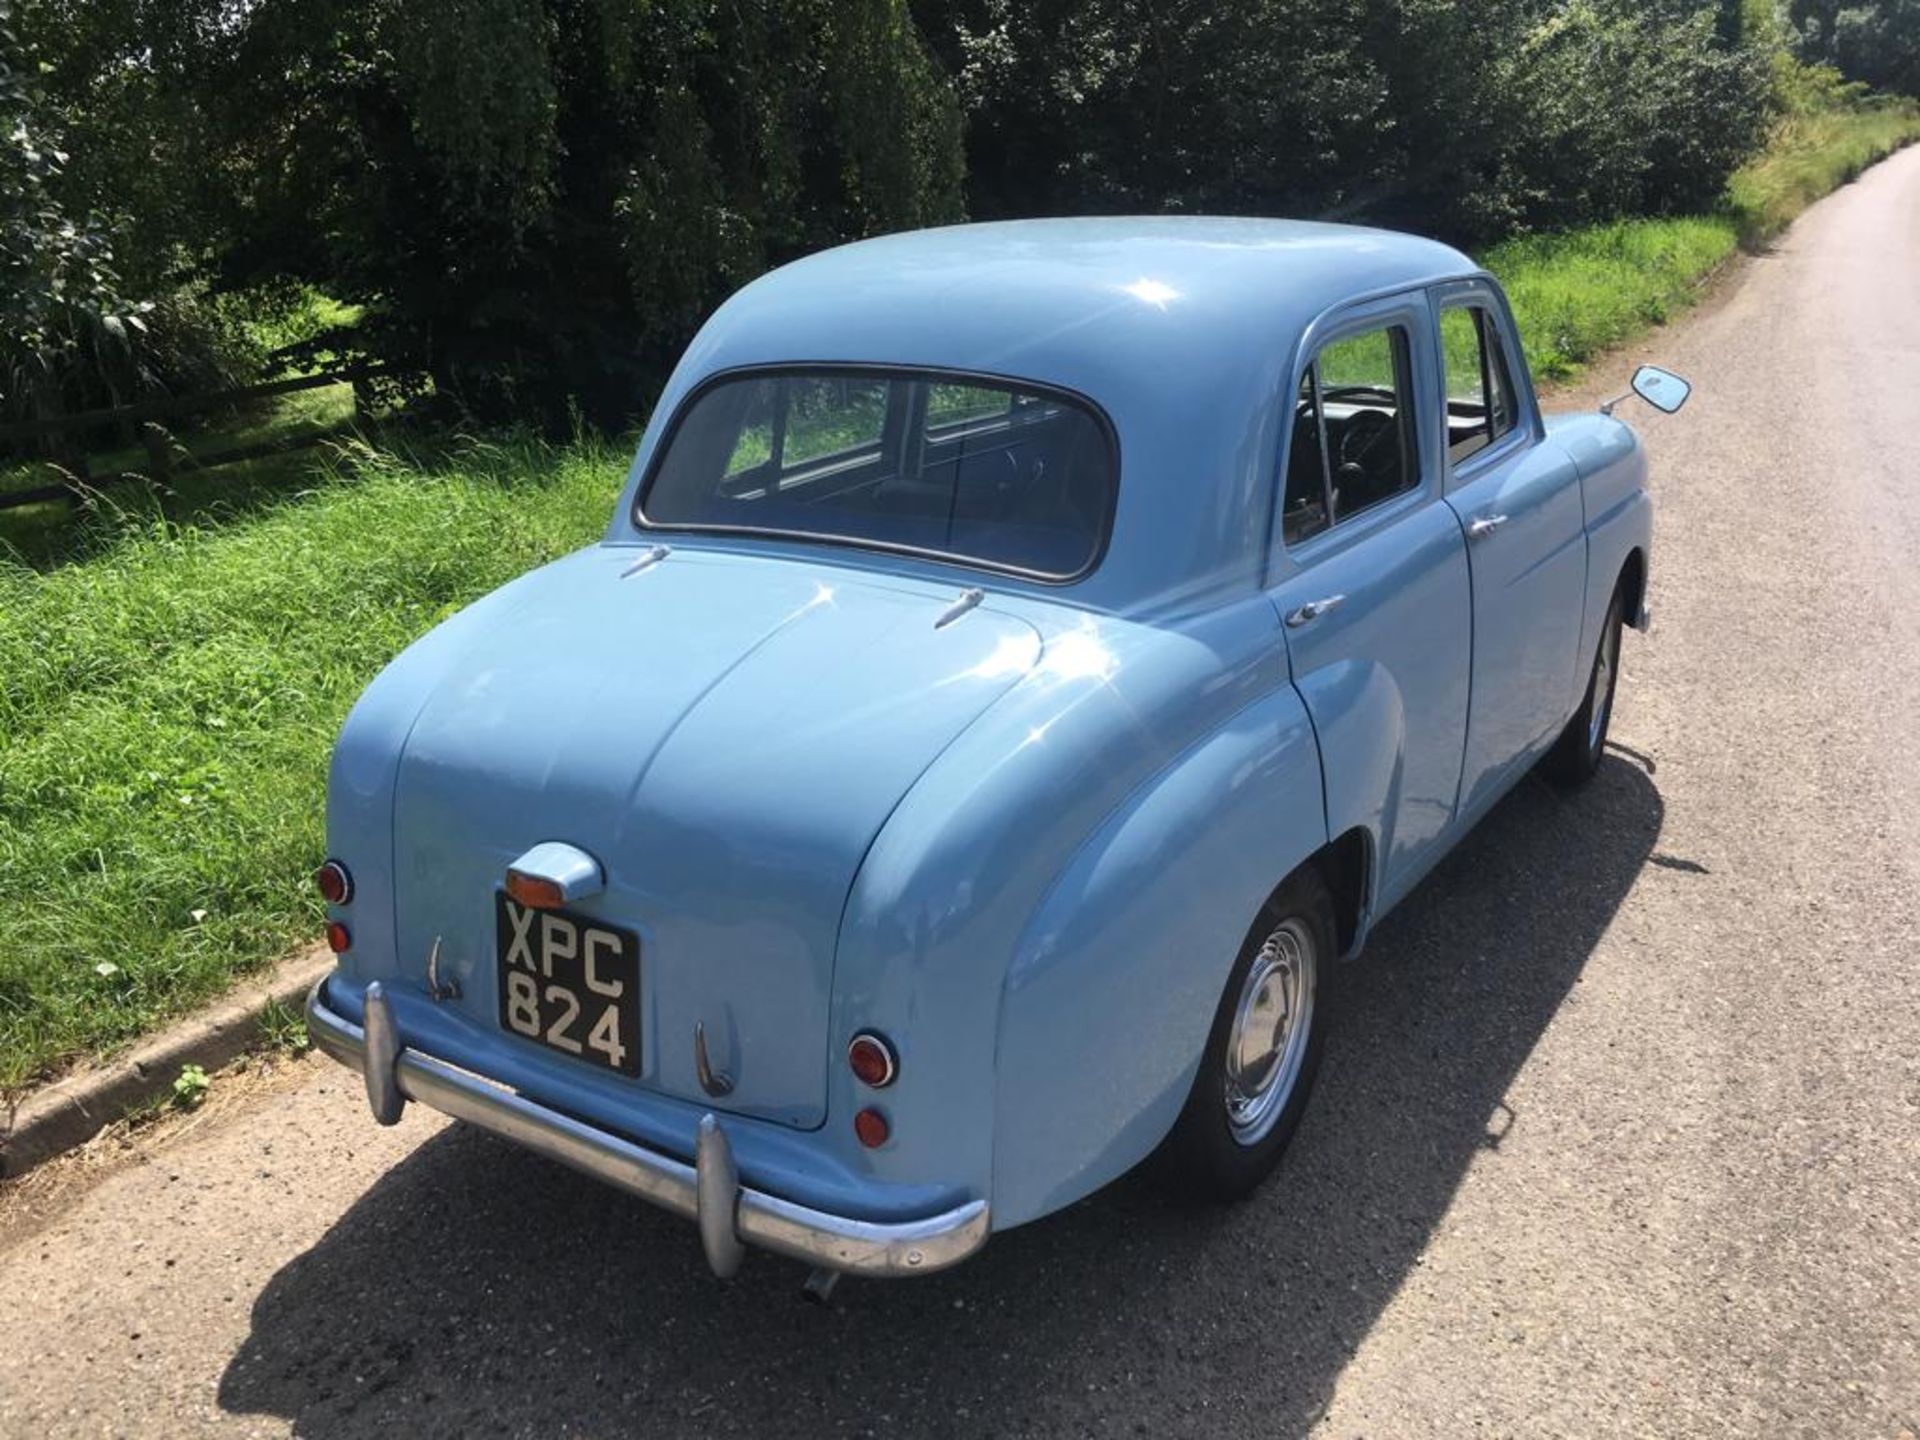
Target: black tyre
1262,1052
1576,754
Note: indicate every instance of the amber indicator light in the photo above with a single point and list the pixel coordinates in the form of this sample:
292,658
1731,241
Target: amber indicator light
534,892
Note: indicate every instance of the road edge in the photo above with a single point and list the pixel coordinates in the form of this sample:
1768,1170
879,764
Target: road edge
54,1119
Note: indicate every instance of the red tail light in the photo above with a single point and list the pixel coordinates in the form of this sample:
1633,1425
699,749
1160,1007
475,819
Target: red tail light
534,892
870,1056
338,938
334,883
872,1128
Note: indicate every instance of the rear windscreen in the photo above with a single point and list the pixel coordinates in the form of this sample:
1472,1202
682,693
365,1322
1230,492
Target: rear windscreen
980,471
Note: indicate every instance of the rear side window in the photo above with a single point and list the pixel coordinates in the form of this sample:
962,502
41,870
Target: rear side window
982,472
1480,408
1352,445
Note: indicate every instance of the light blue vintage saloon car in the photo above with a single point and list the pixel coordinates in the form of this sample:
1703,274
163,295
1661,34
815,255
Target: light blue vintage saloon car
1024,658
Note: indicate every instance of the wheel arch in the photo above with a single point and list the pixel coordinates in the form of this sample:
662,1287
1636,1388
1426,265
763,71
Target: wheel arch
1116,978
1632,586
1346,865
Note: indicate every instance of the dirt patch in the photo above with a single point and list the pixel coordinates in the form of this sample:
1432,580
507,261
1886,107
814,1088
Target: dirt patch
143,1138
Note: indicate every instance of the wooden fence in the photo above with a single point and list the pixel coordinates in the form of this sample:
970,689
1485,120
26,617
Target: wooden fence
139,423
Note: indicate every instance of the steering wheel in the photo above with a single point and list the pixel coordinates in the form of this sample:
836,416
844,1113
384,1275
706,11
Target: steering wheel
1360,438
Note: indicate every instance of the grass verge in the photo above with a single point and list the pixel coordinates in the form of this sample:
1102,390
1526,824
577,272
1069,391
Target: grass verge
169,705
1582,292
44,534
1812,155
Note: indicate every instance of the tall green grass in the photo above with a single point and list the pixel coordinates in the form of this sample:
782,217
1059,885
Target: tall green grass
169,705
1812,155
1579,293
1582,292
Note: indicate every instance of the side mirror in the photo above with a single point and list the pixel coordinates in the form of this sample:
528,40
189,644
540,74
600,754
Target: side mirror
1662,389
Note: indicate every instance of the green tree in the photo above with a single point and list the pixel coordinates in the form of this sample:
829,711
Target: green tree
1180,105
540,199
1876,43
1465,118
59,295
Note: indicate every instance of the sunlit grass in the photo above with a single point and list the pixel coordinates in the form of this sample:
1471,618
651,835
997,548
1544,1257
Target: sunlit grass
1812,155
169,705
1579,293
1575,294
310,313
46,533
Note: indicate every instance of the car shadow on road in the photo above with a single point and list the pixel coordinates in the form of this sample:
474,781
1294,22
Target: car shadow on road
476,1288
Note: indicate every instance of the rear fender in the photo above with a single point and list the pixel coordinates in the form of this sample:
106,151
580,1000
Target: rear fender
1114,984
975,849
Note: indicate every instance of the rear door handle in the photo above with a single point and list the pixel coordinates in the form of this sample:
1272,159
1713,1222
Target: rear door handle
1313,610
1485,525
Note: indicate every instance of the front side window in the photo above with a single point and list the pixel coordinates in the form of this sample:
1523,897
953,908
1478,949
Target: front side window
1352,445
1480,408
982,472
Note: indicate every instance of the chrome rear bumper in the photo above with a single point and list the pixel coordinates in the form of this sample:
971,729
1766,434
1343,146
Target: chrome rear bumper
708,1192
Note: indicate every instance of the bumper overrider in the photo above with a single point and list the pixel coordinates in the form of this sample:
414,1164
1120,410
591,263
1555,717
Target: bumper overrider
729,1214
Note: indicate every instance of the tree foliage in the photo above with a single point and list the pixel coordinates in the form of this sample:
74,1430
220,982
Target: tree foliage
106,201
58,289
1469,118
537,201
1876,43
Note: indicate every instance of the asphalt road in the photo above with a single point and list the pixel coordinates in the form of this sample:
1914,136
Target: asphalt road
1618,1131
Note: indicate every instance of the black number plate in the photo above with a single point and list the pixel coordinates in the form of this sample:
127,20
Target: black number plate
570,982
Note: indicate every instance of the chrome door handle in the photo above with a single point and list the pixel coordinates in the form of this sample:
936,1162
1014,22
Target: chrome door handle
1485,525
1313,610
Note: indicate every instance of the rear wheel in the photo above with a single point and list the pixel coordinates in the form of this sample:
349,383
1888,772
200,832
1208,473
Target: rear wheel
1262,1052
1575,756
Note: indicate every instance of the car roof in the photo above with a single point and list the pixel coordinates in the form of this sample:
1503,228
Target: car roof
1035,291
1179,327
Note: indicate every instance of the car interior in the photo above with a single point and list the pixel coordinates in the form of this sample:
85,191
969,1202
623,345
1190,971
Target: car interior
1353,391
1351,397
1012,478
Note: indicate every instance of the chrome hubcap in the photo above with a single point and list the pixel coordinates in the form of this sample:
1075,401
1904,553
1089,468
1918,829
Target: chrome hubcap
1603,668
1271,1023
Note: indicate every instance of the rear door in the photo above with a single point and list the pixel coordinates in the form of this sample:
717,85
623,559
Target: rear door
1370,579
1520,507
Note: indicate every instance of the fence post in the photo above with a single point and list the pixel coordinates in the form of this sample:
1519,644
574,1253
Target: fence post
362,402
159,458
71,461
